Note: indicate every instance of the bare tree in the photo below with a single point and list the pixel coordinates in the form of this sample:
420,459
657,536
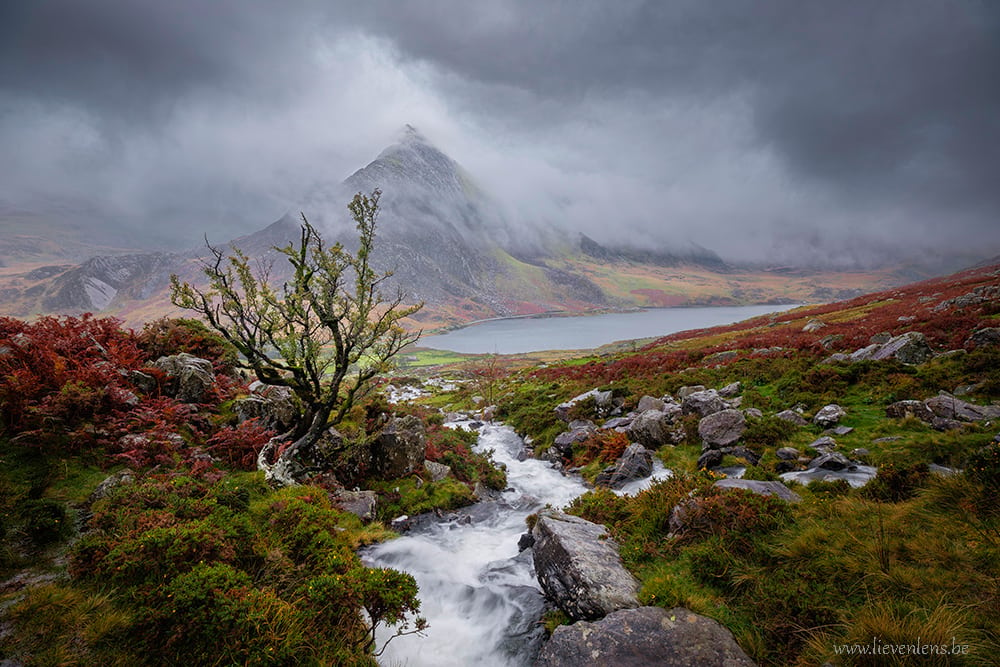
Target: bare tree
325,334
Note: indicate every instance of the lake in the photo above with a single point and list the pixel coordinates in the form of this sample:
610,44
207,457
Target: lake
533,334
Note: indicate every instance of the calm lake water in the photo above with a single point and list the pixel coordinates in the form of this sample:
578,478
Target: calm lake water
532,334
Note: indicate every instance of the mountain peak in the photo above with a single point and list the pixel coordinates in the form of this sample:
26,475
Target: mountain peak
411,134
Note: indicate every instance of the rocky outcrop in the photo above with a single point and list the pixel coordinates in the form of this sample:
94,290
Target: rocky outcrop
722,428
988,337
641,637
947,406
603,404
635,463
654,428
829,415
906,409
274,406
188,376
909,348
579,567
400,448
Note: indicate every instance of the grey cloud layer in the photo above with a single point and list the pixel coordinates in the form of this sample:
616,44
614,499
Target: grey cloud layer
756,128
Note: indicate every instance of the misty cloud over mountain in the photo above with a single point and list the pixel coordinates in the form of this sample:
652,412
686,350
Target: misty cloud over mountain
779,132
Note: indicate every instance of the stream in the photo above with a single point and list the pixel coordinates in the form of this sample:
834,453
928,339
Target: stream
479,596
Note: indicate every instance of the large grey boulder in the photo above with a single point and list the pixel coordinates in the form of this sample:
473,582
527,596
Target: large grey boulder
792,416
947,406
829,415
722,428
400,448
635,463
563,443
988,337
274,406
603,404
189,377
652,429
776,489
650,403
910,348
703,403
642,637
579,567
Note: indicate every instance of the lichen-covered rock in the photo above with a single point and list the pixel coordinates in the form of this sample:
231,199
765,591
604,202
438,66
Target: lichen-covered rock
437,471
910,348
579,567
722,428
642,637
635,463
400,448
274,406
189,377
829,415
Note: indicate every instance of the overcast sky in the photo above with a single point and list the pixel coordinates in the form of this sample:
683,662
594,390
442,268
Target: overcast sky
762,130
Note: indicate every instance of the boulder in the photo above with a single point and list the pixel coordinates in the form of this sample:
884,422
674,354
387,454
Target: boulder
906,409
703,403
603,404
323,454
359,503
830,461
988,337
710,458
188,376
823,444
787,453
792,416
437,471
564,442
651,429
579,567
813,325
948,407
400,448
144,382
722,428
776,489
274,406
753,412
829,415
909,348
686,391
650,403
635,463
731,389
641,637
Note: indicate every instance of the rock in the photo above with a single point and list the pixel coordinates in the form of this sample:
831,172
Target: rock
189,377
651,429
827,342
720,357
710,458
324,454
274,406
748,455
753,412
564,441
859,453
788,453
988,337
579,567
837,358
731,389
760,488
948,407
642,637
839,430
526,541
686,391
830,461
880,338
945,424
617,422
722,428
437,471
122,477
829,415
907,409
813,326
650,403
909,348
635,463
703,403
792,416
400,448
359,503
144,382
603,404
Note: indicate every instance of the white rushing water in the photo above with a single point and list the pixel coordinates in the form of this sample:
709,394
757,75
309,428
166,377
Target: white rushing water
480,597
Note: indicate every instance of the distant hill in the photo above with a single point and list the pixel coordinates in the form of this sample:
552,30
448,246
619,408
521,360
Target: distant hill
449,244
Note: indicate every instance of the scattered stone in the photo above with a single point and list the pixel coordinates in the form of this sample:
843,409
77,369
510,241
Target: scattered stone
274,406
703,403
720,357
579,567
651,429
437,471
564,441
603,404
989,337
753,412
947,406
829,415
880,338
722,428
823,443
650,403
830,461
686,391
359,503
189,377
839,430
945,424
813,326
837,358
635,463
641,637
828,342
710,458
731,389
909,348
617,422
326,451
760,488
907,409
888,438
788,453
966,389
792,416
859,453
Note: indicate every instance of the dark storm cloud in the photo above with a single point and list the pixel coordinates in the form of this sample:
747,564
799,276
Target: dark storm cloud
761,129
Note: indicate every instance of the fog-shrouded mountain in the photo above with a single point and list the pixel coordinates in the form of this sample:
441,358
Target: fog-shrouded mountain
449,244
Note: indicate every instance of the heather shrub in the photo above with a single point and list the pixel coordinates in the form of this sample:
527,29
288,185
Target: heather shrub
169,336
